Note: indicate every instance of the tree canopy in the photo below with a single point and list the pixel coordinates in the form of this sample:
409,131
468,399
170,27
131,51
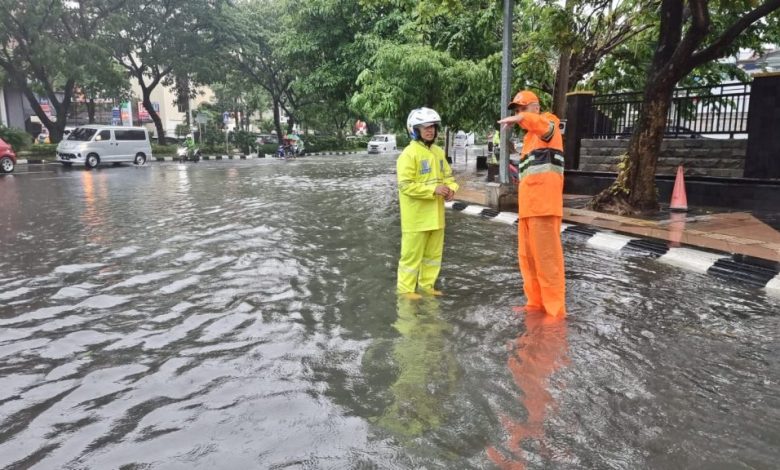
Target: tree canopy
325,63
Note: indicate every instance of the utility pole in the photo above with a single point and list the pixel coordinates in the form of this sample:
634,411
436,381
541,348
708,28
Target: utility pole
506,84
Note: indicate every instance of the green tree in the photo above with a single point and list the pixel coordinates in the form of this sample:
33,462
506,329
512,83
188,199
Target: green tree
245,34
46,48
691,34
443,55
104,80
152,39
321,42
579,34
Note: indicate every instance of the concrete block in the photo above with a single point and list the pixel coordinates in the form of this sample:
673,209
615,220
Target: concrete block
501,197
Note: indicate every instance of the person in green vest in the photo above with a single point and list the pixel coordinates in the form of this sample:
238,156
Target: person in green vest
189,142
496,147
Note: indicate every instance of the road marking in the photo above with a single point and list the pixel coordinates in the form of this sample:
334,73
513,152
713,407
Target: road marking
33,172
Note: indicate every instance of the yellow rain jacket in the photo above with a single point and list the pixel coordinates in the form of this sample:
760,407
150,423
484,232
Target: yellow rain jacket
420,169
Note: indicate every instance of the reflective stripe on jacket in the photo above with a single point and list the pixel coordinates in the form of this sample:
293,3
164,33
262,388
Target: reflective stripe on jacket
420,169
541,166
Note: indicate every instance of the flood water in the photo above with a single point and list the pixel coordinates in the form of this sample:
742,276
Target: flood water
242,315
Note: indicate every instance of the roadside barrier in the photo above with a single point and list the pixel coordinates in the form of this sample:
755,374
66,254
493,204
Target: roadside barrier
749,271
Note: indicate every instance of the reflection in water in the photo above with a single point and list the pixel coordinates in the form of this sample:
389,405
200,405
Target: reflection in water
93,216
676,228
534,357
250,328
11,211
427,369
184,179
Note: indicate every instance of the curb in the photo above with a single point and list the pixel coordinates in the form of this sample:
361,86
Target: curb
31,161
333,153
209,157
753,272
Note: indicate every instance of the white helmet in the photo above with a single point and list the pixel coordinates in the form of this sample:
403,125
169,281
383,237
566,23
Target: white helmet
421,117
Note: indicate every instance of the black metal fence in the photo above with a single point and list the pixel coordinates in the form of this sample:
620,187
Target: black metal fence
712,111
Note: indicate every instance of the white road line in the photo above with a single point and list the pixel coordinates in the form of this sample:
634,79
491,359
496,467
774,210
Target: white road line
608,241
473,210
773,286
695,260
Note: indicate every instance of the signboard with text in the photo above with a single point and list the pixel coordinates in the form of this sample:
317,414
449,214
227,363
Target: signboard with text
143,114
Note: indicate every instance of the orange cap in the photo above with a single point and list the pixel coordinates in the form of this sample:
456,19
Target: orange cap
523,98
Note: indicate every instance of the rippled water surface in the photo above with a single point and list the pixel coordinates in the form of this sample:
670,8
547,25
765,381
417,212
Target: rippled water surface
242,315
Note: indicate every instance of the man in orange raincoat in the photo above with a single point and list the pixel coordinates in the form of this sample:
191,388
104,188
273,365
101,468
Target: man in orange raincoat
540,205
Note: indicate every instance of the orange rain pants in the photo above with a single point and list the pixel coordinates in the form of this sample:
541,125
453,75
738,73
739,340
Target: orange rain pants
540,254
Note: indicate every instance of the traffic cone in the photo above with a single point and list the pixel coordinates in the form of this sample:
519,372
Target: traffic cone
679,199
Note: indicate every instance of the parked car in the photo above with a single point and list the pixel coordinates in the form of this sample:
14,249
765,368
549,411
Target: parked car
93,145
381,143
7,157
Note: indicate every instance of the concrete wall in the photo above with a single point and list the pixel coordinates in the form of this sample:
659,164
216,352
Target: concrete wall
702,157
734,193
3,113
16,107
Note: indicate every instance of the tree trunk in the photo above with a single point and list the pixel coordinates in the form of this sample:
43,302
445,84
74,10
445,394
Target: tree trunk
561,83
56,128
634,190
644,148
158,125
91,110
277,120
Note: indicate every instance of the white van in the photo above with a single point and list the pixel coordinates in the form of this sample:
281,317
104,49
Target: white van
382,143
93,145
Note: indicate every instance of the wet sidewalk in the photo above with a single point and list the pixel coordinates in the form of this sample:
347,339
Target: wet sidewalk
749,234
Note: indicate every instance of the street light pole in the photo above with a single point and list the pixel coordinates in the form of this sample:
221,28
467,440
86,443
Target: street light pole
506,83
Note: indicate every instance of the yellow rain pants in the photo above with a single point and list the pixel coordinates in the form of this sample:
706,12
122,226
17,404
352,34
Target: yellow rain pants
540,256
420,169
420,261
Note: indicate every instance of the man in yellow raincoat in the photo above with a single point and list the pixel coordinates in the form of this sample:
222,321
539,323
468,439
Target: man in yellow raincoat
540,205
424,182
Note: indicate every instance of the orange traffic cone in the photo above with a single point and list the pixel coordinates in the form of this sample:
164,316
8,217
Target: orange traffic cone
679,199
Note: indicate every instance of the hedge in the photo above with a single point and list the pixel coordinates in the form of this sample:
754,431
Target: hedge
16,138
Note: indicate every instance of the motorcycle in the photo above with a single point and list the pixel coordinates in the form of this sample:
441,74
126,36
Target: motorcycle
289,149
184,154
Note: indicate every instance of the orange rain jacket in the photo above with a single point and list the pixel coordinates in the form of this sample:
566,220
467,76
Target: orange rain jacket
541,166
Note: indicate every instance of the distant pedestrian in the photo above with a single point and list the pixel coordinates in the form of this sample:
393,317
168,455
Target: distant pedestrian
495,149
189,142
540,205
424,182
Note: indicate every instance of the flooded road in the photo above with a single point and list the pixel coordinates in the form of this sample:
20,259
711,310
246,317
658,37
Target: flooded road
242,315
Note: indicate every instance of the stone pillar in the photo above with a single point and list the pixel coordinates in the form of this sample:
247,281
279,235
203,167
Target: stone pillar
763,145
501,197
579,114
